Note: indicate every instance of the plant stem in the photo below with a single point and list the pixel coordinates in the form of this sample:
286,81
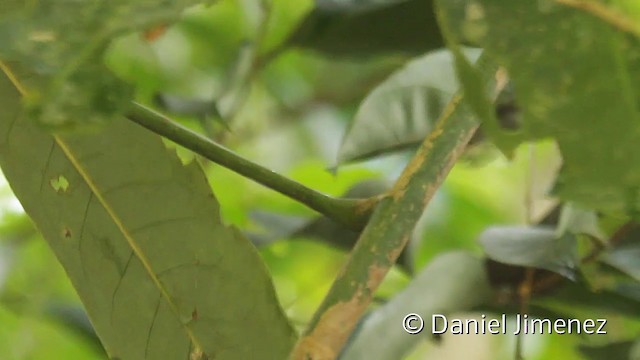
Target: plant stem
384,237
353,213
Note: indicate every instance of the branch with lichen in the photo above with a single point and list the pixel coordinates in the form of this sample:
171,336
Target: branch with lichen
383,239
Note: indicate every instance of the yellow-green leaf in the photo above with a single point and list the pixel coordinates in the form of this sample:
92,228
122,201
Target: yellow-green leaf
140,236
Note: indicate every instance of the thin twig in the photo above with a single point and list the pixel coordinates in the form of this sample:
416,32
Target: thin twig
353,213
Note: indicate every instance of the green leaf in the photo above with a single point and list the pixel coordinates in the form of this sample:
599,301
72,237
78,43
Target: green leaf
364,28
536,247
403,109
64,40
140,236
625,258
551,53
454,281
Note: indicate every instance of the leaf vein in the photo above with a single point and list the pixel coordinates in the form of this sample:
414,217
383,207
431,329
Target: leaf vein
81,239
45,170
137,250
115,290
153,323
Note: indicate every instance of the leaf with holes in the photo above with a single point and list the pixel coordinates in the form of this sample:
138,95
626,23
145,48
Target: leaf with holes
536,247
141,239
573,75
64,41
402,110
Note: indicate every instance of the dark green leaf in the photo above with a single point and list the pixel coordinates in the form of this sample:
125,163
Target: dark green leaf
140,236
402,110
454,281
551,53
364,28
536,247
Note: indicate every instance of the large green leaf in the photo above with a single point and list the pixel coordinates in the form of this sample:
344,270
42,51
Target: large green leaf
140,236
450,283
403,109
64,40
573,76
363,28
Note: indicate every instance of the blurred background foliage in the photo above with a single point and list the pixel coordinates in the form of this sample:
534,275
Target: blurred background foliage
239,72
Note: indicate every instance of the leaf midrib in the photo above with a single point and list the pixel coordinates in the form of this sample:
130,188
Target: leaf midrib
105,204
